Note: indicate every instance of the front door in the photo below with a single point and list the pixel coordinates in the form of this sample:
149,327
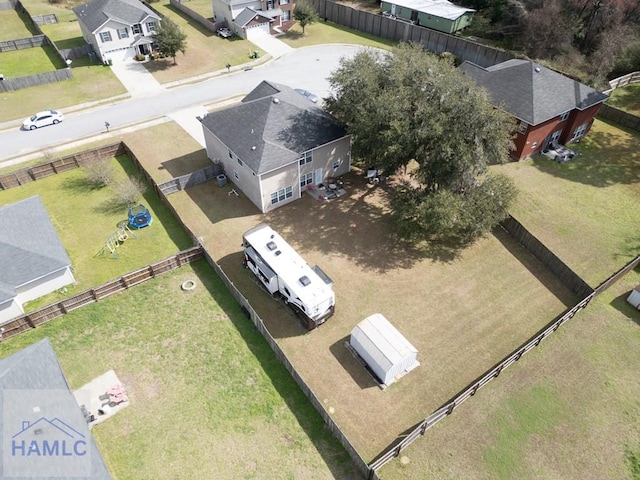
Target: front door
318,176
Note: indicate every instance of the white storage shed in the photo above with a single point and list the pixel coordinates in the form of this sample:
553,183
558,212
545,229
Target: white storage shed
384,349
634,297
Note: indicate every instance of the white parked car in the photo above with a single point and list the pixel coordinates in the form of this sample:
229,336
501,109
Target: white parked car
42,119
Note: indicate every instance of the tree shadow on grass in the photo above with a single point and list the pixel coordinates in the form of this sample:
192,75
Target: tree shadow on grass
356,225
334,456
78,185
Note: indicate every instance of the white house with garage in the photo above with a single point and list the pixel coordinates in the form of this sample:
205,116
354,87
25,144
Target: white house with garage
251,18
118,29
33,260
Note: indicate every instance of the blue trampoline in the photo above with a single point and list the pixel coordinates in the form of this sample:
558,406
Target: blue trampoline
139,217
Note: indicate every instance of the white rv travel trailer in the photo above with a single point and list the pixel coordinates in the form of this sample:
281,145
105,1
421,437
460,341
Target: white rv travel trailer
307,290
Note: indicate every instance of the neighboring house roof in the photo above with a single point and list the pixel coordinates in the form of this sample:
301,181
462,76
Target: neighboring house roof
248,14
531,92
234,3
29,245
36,369
128,12
272,127
437,8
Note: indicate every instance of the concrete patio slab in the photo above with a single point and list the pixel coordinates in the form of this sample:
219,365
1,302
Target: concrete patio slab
95,399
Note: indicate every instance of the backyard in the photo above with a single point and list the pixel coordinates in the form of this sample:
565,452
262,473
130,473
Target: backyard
208,399
626,98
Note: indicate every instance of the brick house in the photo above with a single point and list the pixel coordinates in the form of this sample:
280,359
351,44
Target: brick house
248,18
550,108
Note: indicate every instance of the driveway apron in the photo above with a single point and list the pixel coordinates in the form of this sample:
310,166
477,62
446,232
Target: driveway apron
136,79
274,47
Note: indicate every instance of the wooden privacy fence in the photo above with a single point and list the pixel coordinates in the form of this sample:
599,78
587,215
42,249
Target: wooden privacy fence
205,22
620,117
568,277
360,464
629,78
22,43
59,165
392,29
34,319
394,450
12,84
190,179
45,19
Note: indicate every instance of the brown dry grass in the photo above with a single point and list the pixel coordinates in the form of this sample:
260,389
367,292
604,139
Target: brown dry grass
443,301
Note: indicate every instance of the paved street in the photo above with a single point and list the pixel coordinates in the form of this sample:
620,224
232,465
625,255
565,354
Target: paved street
306,68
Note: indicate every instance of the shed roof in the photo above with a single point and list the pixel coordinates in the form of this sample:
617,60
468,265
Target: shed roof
272,127
29,245
530,92
437,8
383,341
128,12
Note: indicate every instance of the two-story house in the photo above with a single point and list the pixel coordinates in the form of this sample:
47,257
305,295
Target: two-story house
117,29
248,18
550,108
276,144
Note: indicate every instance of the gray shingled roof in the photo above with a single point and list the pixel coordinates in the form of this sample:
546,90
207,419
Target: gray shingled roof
248,14
531,92
36,368
272,127
128,12
29,245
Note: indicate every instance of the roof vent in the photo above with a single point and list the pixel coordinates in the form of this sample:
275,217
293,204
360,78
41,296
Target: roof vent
253,148
537,69
271,245
276,100
304,280
278,252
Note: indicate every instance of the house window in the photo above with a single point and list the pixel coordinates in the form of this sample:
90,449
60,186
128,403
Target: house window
534,145
564,116
284,2
522,127
240,162
230,154
123,33
137,29
306,158
151,26
235,175
105,37
306,179
336,164
281,195
286,15
269,4
579,132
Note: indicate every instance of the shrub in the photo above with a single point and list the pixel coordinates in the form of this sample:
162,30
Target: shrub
129,191
98,172
140,57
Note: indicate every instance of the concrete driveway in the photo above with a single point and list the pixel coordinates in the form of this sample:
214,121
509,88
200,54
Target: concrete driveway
274,47
136,78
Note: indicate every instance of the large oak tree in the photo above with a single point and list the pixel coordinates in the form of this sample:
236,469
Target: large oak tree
412,106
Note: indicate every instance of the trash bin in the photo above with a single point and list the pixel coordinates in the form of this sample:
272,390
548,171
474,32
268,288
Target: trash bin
222,180
255,54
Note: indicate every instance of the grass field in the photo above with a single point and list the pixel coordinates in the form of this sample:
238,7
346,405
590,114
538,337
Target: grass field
29,61
567,410
328,32
206,52
91,82
626,98
208,399
14,26
584,209
86,217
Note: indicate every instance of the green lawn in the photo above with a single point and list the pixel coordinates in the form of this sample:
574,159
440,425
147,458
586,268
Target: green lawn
91,82
626,98
29,61
206,51
85,217
328,32
585,209
567,410
203,7
14,26
208,399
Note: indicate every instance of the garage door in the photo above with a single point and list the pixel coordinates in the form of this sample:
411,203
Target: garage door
257,30
121,54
